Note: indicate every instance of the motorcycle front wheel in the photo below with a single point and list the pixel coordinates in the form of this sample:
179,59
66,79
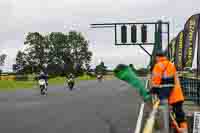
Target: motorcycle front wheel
42,90
71,85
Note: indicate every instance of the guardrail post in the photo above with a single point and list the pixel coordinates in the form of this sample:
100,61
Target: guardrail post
164,109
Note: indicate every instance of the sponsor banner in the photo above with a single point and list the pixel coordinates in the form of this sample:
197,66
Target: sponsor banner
190,31
168,50
198,51
171,50
179,51
196,122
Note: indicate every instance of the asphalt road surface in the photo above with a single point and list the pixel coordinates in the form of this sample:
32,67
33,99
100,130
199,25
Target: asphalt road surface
93,107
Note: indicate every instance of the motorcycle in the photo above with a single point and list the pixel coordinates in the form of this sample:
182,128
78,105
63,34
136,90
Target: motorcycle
71,83
99,78
43,87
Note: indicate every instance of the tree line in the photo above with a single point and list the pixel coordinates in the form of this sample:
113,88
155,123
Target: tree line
56,53
140,71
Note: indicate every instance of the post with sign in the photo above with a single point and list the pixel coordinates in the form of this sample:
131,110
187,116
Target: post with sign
158,35
157,44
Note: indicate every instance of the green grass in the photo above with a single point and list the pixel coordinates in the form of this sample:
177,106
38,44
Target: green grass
8,85
61,80
86,77
56,81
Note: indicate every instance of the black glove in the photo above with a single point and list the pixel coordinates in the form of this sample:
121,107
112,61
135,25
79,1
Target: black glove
154,90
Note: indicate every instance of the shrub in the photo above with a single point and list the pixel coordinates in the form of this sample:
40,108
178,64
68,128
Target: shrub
22,77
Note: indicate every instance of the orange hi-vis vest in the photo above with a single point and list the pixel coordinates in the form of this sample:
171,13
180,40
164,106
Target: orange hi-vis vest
167,69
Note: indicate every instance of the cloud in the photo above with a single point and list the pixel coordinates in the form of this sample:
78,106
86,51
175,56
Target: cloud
21,16
10,48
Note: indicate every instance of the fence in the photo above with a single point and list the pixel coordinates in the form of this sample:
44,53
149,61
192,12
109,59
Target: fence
7,77
191,88
15,77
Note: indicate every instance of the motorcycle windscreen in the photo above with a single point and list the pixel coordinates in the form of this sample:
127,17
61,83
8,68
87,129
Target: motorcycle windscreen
42,82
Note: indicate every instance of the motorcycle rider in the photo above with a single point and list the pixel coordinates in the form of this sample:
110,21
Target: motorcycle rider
43,76
71,76
99,76
70,80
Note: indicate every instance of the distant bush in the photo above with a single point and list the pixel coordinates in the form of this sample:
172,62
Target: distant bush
142,72
22,77
54,69
8,73
91,74
50,76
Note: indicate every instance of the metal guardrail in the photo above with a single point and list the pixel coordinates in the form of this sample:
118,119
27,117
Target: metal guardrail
191,88
145,123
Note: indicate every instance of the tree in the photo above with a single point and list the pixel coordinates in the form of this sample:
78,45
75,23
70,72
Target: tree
79,51
142,71
20,61
58,47
37,50
2,60
101,68
69,52
23,63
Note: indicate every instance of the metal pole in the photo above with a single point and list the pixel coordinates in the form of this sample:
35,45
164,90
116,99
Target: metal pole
115,34
155,46
159,35
145,50
164,109
130,23
168,39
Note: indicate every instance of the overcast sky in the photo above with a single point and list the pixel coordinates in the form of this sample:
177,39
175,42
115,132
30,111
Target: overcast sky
21,16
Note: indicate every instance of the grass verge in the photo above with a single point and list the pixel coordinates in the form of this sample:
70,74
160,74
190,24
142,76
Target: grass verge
10,85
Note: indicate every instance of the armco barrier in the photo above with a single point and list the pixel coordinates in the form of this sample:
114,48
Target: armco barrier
191,88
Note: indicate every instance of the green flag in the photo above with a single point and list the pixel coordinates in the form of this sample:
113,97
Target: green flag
126,74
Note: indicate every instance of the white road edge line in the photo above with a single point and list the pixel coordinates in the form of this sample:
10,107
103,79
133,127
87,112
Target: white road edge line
139,120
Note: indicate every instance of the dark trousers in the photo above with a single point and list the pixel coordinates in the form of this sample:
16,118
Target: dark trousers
179,113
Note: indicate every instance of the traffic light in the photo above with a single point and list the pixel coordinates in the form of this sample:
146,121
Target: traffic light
144,33
133,33
124,34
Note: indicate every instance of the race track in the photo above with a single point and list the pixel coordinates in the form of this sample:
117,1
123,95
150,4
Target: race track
93,107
